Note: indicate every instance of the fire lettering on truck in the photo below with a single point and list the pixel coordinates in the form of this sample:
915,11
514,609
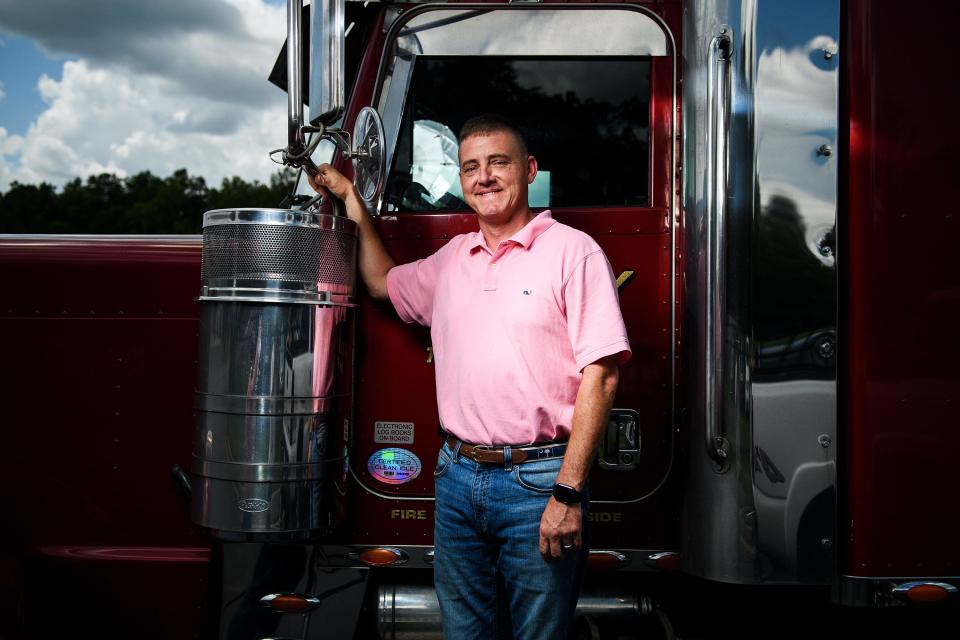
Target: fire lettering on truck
605,516
408,514
394,465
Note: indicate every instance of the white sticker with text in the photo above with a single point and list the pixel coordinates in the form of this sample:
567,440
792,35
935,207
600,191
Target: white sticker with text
393,432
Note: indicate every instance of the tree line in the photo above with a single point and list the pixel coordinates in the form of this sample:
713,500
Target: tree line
140,204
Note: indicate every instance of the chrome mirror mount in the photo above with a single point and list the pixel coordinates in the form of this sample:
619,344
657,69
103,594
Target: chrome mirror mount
327,35
326,82
327,100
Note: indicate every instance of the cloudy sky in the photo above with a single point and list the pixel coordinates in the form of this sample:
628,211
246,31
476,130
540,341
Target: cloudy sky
129,85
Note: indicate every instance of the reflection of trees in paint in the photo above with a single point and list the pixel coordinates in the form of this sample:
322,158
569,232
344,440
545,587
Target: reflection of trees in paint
794,294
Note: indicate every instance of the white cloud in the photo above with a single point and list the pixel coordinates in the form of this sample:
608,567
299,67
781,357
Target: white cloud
783,74
10,146
3,94
181,94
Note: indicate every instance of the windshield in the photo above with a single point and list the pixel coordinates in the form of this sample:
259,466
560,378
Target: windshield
586,121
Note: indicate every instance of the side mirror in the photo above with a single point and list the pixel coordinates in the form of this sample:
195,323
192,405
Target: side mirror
327,94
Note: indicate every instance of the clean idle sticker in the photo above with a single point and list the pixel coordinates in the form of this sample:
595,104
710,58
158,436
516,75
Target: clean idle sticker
394,466
393,432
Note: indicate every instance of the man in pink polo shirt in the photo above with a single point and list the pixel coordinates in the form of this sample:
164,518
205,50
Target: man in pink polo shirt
527,336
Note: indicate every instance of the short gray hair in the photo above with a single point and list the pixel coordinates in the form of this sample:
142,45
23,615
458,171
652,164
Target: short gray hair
492,123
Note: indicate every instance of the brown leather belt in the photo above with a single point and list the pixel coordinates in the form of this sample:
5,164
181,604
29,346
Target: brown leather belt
489,454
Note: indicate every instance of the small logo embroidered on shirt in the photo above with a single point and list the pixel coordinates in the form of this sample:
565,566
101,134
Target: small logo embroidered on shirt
527,292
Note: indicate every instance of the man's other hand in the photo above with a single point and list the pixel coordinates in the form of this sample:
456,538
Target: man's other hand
560,530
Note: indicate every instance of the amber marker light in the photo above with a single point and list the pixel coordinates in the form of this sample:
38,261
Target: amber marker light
924,592
382,557
606,560
290,602
665,560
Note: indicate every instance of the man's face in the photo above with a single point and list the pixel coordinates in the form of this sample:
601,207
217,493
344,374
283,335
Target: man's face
495,176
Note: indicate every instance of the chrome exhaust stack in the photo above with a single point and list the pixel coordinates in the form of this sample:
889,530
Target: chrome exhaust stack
273,397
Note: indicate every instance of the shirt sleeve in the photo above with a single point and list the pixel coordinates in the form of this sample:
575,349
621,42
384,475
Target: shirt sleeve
594,321
411,288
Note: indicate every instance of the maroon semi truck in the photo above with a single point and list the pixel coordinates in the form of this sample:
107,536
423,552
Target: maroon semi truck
224,436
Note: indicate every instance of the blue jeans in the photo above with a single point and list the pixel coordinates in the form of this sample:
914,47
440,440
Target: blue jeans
488,522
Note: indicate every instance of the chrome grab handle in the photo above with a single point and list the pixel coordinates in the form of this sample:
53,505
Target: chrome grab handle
718,92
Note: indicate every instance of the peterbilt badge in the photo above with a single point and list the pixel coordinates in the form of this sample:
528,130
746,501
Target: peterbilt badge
252,505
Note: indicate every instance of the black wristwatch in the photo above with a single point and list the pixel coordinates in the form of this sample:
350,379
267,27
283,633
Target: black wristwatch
566,494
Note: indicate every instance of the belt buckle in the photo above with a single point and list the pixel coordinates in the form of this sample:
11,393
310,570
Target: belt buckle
478,448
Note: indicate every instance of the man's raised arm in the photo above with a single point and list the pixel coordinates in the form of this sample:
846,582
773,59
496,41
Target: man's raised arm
374,260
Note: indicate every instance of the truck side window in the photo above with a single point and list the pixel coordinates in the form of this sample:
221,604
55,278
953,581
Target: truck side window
587,121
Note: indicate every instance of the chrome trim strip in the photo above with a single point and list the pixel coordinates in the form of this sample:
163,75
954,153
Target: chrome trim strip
260,472
264,405
654,557
279,296
280,286
621,558
283,217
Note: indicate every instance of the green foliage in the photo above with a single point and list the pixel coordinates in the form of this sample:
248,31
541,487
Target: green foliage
140,204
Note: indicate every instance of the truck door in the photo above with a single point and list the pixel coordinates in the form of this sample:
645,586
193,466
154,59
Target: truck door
594,90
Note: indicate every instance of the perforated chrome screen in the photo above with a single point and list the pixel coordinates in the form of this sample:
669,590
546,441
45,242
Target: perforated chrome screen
273,252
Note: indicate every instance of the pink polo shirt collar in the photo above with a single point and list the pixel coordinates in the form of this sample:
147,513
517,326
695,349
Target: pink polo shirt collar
524,237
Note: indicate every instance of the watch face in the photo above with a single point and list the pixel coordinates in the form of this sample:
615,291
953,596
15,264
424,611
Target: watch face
566,494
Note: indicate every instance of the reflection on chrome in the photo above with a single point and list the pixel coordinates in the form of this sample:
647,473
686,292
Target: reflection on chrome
273,387
768,511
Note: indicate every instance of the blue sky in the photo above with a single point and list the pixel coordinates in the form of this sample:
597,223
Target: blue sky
22,63
121,87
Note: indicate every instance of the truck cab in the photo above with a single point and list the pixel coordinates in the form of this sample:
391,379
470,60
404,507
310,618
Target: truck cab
780,441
